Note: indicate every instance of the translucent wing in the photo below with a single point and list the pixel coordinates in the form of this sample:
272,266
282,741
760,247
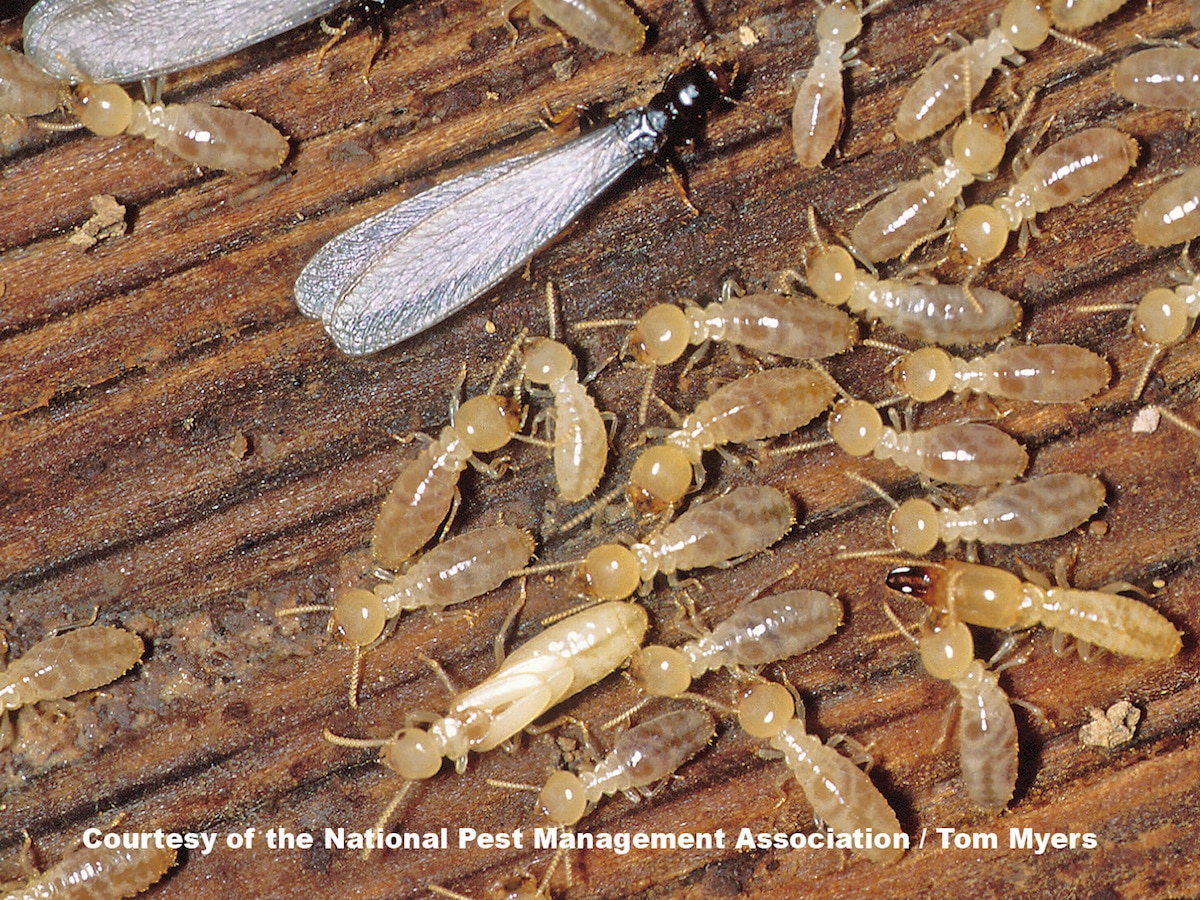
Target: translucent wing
409,267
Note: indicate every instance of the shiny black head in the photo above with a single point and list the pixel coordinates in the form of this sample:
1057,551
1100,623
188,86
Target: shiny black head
678,110
916,581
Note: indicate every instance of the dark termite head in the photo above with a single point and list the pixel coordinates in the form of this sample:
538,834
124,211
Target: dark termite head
679,109
919,582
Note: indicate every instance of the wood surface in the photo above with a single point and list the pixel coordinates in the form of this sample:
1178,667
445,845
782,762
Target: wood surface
183,449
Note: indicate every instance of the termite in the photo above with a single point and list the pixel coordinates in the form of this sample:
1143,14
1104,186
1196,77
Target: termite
65,664
819,112
944,314
134,40
425,490
24,89
917,208
608,25
1072,15
1162,77
580,443
643,755
994,598
764,630
101,873
558,663
969,453
987,730
1020,513
716,533
948,86
214,137
841,794
1169,215
1038,373
755,407
1078,166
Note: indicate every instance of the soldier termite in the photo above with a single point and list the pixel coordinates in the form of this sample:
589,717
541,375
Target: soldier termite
133,40
757,406
764,630
715,533
424,492
558,663
607,25
643,755
948,86
413,265
987,731
994,598
1169,215
819,112
1078,166
945,314
1162,77
1072,15
970,453
214,137
841,794
1039,373
102,873
1020,513
65,664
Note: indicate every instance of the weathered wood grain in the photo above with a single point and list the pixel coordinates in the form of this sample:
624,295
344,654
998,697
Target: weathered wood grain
180,447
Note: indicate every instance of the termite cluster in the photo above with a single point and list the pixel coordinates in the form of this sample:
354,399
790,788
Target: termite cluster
692,485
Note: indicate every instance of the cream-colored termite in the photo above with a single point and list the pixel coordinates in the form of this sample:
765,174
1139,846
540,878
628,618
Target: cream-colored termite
25,90
718,532
455,571
1078,166
819,112
970,453
65,664
642,756
987,731
1163,317
1020,513
764,630
1072,15
1161,77
944,314
755,407
102,873
1170,215
994,598
1037,373
608,25
425,491
841,794
558,663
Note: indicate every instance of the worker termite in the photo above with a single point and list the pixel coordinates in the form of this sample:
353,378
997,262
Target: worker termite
917,208
24,89
214,137
1072,15
948,87
1169,215
1078,166
424,492
994,598
558,663
411,266
1039,373
643,755
764,630
987,731
716,533
133,40
755,407
945,314
608,25
1020,513
842,796
819,112
1162,77
101,873
65,664
970,453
